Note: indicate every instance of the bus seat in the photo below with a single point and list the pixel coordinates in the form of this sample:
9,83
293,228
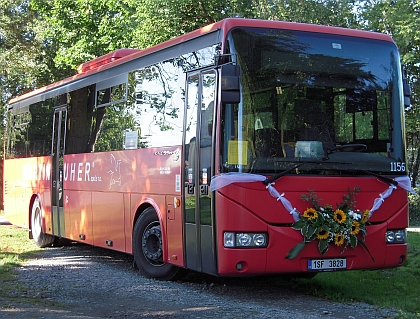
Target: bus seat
268,143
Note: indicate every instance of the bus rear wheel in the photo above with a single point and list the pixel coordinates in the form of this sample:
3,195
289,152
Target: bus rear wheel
41,239
148,250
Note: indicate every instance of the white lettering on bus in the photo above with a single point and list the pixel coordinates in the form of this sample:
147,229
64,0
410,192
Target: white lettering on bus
42,172
83,173
168,153
33,172
66,172
87,171
115,174
72,171
80,172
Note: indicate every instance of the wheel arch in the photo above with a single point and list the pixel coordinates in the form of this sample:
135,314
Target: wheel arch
142,207
31,204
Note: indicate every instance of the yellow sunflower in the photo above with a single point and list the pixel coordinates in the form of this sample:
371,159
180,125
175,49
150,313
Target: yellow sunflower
339,239
339,216
355,228
310,213
365,216
323,234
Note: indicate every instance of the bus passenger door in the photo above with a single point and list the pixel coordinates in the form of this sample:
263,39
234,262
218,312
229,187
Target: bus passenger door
198,216
57,153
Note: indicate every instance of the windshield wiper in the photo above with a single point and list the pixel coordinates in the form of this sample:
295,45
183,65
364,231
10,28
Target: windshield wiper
381,177
277,176
348,148
300,163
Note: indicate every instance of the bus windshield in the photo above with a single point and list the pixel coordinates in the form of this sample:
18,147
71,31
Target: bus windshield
333,101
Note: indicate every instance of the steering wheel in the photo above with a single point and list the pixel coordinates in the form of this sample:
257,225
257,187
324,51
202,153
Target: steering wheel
349,148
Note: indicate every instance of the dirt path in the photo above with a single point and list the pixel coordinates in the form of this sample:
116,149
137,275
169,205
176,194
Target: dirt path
85,282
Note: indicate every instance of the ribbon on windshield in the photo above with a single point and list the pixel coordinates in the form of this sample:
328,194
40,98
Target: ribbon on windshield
222,180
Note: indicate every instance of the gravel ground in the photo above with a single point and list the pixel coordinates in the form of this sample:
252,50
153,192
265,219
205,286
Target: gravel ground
80,281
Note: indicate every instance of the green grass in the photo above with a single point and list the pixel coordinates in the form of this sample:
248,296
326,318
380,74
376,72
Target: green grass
15,248
397,288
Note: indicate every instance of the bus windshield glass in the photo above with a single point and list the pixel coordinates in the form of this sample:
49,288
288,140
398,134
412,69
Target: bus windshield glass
332,101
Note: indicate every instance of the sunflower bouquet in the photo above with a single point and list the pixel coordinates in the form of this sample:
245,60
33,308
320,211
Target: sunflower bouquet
344,226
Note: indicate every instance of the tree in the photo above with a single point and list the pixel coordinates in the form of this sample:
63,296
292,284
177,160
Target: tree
400,19
19,48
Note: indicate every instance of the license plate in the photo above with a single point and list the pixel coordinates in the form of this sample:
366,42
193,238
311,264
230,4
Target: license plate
327,264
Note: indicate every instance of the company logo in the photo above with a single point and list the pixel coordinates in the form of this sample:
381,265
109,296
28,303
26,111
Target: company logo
169,153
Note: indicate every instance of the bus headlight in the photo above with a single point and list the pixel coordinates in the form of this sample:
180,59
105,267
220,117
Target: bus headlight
396,236
244,240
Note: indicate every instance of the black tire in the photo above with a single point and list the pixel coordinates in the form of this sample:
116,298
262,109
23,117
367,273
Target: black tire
41,239
147,249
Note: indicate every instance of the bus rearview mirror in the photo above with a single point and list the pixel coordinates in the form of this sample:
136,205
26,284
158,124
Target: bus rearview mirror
230,83
406,90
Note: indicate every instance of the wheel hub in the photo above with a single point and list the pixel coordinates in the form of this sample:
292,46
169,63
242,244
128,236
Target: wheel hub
152,243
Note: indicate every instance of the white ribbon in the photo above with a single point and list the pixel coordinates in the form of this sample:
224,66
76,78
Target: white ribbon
403,181
222,180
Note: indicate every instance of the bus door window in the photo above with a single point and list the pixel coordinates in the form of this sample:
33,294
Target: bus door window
206,130
58,147
191,138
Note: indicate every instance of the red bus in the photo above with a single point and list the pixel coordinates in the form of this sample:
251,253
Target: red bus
244,148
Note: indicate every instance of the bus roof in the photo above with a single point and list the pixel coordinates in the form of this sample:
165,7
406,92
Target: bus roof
121,56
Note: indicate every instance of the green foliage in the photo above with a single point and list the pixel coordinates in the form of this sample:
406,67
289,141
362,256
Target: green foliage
341,226
401,20
414,200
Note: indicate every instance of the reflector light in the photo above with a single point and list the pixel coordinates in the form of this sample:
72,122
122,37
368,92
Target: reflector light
105,59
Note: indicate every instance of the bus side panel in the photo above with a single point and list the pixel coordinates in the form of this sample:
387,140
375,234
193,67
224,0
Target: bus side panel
120,181
24,178
108,220
46,209
174,223
9,177
78,216
128,223
147,171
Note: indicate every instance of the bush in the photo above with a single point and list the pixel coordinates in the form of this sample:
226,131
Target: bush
414,204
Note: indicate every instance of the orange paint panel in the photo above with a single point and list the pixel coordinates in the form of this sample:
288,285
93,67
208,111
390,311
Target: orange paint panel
108,220
128,217
24,178
9,191
46,210
78,216
174,222
157,170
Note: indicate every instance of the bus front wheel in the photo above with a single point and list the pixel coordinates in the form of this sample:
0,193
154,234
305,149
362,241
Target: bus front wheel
148,250
41,239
